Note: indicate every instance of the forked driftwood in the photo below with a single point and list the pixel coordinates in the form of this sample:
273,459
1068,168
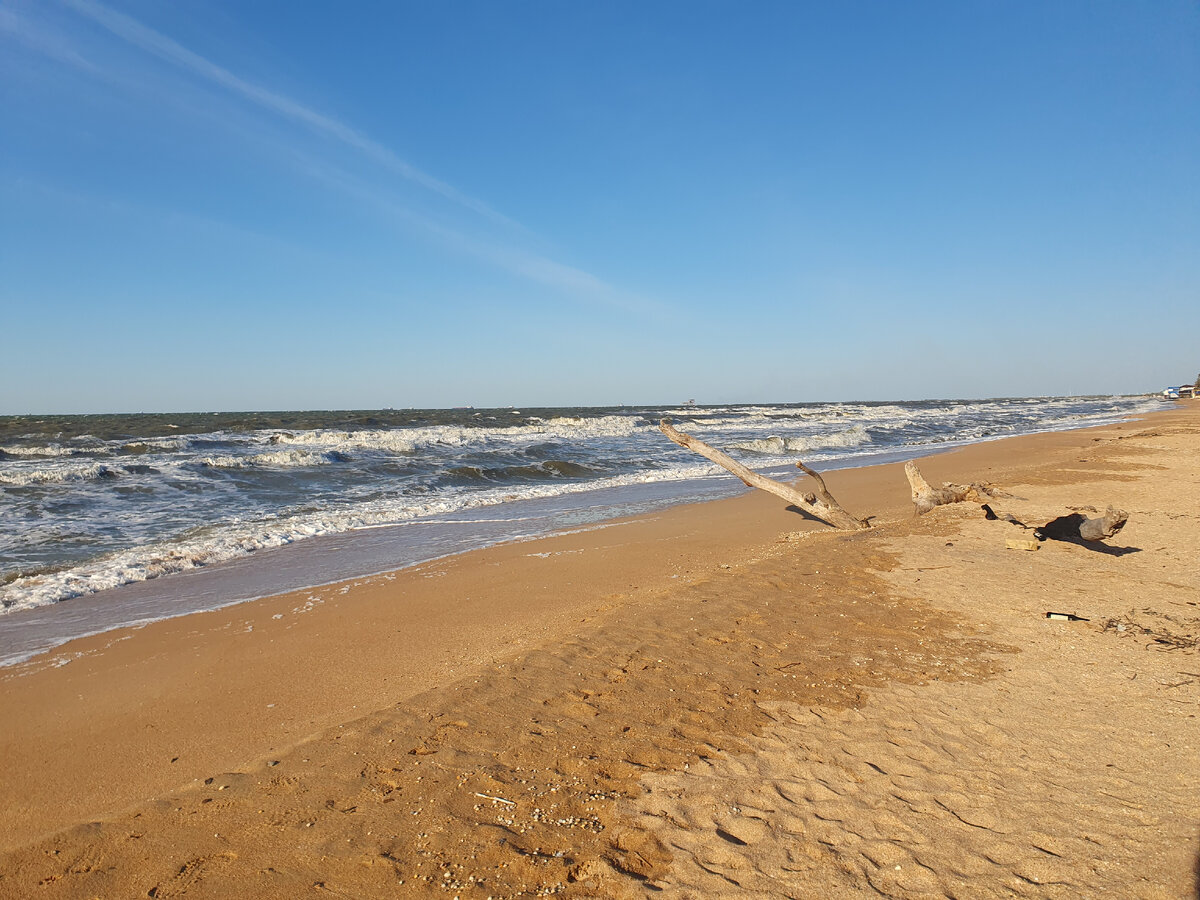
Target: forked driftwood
824,507
926,497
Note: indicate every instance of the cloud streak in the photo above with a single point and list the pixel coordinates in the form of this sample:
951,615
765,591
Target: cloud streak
134,32
530,265
514,260
46,44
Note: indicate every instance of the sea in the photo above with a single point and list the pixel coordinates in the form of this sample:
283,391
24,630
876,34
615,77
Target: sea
115,520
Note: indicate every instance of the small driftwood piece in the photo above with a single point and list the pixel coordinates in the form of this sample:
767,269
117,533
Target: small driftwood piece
1066,528
926,497
991,514
1105,526
825,508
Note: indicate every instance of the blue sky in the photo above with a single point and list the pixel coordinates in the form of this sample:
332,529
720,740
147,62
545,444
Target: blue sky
229,205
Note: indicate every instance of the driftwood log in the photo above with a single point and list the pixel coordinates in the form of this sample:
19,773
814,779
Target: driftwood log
823,507
1067,528
1064,528
926,497
1105,526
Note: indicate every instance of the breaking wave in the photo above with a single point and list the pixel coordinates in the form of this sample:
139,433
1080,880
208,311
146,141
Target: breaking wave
782,446
409,440
551,468
211,546
281,459
61,474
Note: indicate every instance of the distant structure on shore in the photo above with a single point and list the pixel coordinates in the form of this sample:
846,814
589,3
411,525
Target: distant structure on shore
1183,391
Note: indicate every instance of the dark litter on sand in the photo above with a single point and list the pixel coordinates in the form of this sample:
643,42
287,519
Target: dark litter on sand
1165,631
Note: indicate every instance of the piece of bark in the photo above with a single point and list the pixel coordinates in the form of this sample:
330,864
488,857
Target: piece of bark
825,508
1021,544
926,497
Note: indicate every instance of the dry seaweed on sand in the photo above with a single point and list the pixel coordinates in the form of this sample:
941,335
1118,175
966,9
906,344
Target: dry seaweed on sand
1166,632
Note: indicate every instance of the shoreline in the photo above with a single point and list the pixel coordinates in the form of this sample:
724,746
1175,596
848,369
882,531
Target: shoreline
166,705
241,580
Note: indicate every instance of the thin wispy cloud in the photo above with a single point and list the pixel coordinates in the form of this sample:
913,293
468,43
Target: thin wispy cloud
157,44
532,266
504,255
43,42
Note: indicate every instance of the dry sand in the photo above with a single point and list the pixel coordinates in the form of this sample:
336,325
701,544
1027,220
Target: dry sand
718,701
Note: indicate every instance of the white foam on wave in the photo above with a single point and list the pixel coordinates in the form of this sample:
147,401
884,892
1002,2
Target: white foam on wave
164,444
90,446
765,418
598,426
409,440
279,459
43,451
691,411
23,476
745,422
394,441
781,446
239,539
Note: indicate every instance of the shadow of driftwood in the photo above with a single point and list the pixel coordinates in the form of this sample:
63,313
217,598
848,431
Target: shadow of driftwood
805,514
1066,529
1097,547
1196,876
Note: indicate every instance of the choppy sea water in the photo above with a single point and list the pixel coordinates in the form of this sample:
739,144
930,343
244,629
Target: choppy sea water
89,504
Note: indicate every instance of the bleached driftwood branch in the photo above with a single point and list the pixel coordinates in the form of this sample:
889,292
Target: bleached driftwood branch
926,497
825,508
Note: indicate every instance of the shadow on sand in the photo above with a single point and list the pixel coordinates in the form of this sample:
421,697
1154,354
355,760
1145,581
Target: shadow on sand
1097,547
1066,530
805,514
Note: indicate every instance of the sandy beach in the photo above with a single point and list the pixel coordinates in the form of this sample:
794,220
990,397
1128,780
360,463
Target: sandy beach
720,700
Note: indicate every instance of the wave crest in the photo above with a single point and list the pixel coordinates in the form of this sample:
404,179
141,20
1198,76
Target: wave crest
550,468
279,459
409,440
783,446
58,475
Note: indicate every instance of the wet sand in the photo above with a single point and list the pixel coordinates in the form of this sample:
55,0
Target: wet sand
723,699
